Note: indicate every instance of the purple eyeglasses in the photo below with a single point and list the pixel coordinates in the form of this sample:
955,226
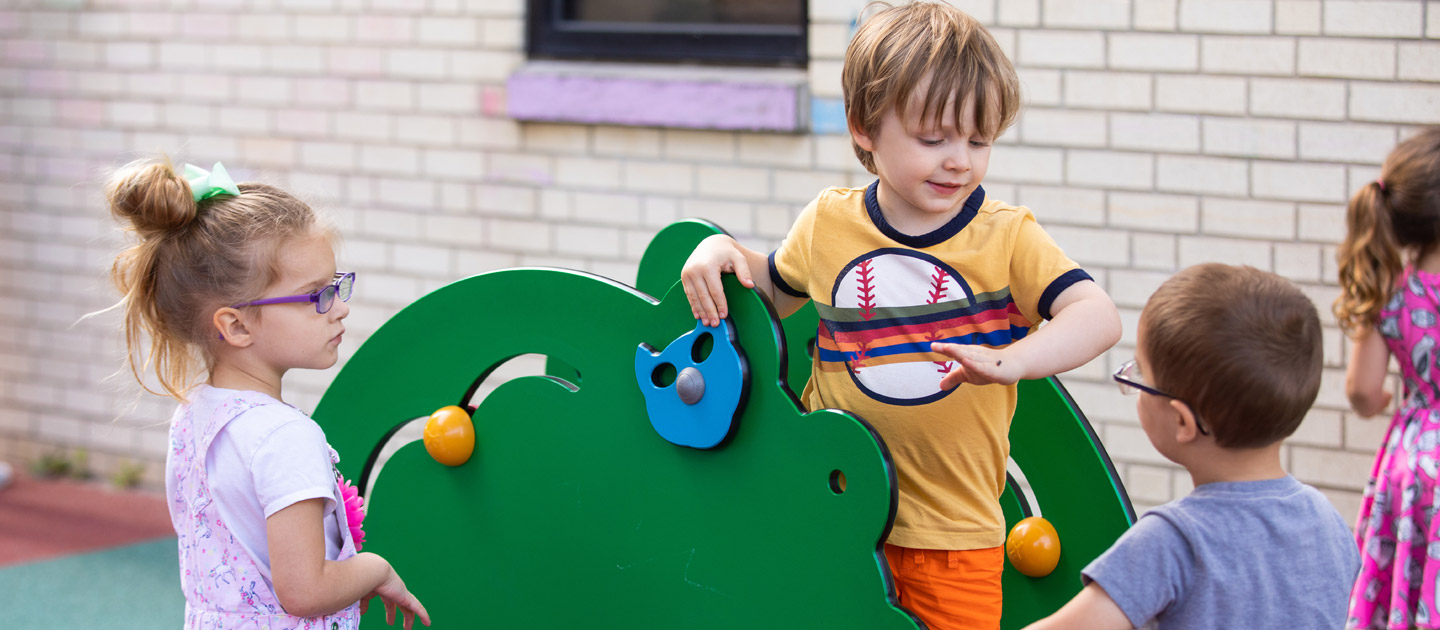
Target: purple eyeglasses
323,299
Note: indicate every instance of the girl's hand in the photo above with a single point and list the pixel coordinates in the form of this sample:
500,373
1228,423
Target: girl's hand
393,594
978,365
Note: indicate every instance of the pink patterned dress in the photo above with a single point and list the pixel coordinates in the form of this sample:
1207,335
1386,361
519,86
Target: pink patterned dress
224,587
1397,528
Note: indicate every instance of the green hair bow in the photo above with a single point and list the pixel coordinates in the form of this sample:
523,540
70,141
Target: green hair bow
206,184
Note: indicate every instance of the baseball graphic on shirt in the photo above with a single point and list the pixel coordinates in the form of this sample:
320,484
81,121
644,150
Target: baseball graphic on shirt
902,301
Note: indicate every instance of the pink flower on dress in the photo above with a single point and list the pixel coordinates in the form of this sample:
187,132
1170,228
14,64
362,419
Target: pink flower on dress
354,511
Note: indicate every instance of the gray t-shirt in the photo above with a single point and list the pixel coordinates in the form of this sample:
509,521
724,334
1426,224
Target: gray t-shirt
1251,554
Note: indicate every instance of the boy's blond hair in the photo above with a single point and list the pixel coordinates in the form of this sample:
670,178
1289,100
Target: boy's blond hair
1239,345
897,48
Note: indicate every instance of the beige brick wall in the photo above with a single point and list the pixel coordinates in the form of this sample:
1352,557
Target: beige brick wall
1158,134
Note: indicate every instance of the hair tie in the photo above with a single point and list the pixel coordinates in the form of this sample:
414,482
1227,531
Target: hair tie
206,184
1378,182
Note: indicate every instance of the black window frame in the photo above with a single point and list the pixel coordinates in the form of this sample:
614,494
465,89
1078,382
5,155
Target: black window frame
550,36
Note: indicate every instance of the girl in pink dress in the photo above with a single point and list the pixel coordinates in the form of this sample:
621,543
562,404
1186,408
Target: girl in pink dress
1389,305
238,281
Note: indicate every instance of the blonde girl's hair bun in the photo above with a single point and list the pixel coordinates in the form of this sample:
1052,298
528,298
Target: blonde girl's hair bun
151,197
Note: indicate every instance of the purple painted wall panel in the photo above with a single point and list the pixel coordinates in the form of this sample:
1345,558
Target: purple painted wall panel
628,101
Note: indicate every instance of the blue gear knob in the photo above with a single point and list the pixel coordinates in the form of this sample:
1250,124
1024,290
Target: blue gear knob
695,388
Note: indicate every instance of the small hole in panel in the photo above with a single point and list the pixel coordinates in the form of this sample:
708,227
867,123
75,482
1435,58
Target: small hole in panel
810,348
701,350
837,482
663,375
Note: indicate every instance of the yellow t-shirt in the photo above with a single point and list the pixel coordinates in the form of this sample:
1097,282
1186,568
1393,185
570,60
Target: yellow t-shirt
986,278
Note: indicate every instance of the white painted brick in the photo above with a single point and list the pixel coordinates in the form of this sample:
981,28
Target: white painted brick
1419,62
586,172
72,53
607,208
243,119
1109,90
1027,165
1079,14
1063,127
426,130
456,231
295,59
273,152
384,29
264,90
529,236
1017,13
1297,17
1199,249
389,224
799,187
1129,445
506,200
1202,175
238,57
322,92
1134,288
522,168
450,99
776,150
588,241
503,33
1156,132
554,138
1385,102
1110,169
1432,20
417,63
447,164
1155,15
354,61
828,41
358,126
132,114
337,156
322,28
1373,18
1148,211
1298,98
1247,218
1064,49
252,27
1039,86
485,66
728,182
707,146
1226,16
1091,246
736,218
825,78
315,186
1249,137
391,160
1247,55
1066,206
773,221
1346,142
129,55
1323,223
1323,57
406,193
207,26
658,177
422,259
490,133
1330,468
384,95
1153,251
1154,51
449,31
1300,262
626,141
1299,182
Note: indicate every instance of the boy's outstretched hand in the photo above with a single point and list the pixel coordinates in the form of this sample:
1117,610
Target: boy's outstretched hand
700,276
978,365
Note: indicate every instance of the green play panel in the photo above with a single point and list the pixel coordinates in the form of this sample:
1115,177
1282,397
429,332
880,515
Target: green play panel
583,507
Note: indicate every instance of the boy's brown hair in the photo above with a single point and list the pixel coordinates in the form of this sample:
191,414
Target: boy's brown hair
1239,345
897,48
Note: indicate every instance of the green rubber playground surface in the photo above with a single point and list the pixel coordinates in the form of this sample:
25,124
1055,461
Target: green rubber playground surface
131,587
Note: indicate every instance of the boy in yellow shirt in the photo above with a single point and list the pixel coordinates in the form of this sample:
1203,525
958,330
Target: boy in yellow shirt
922,283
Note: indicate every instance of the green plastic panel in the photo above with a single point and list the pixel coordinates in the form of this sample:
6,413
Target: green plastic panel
573,512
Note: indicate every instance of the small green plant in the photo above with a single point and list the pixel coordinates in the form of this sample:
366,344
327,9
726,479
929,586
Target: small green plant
127,474
58,464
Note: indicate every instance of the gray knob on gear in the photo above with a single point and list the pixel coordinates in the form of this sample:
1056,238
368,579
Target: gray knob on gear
690,385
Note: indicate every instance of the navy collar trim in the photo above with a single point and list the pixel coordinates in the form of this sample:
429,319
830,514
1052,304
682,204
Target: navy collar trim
939,235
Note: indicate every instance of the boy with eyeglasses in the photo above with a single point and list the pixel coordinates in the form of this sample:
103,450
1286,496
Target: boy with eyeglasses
1227,362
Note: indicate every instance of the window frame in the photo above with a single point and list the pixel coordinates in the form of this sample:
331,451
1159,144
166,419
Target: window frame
549,36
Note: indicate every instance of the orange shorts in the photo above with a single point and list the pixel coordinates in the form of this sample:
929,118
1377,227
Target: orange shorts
947,590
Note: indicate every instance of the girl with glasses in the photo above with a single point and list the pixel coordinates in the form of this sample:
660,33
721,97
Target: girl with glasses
238,281
1389,277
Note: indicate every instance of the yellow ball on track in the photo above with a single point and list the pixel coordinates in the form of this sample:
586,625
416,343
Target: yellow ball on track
450,435
1033,547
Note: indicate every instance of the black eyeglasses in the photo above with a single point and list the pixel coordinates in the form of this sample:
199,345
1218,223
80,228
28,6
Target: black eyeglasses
1128,378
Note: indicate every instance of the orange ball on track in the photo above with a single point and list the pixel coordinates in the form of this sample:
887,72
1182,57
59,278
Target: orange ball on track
450,435
1033,547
